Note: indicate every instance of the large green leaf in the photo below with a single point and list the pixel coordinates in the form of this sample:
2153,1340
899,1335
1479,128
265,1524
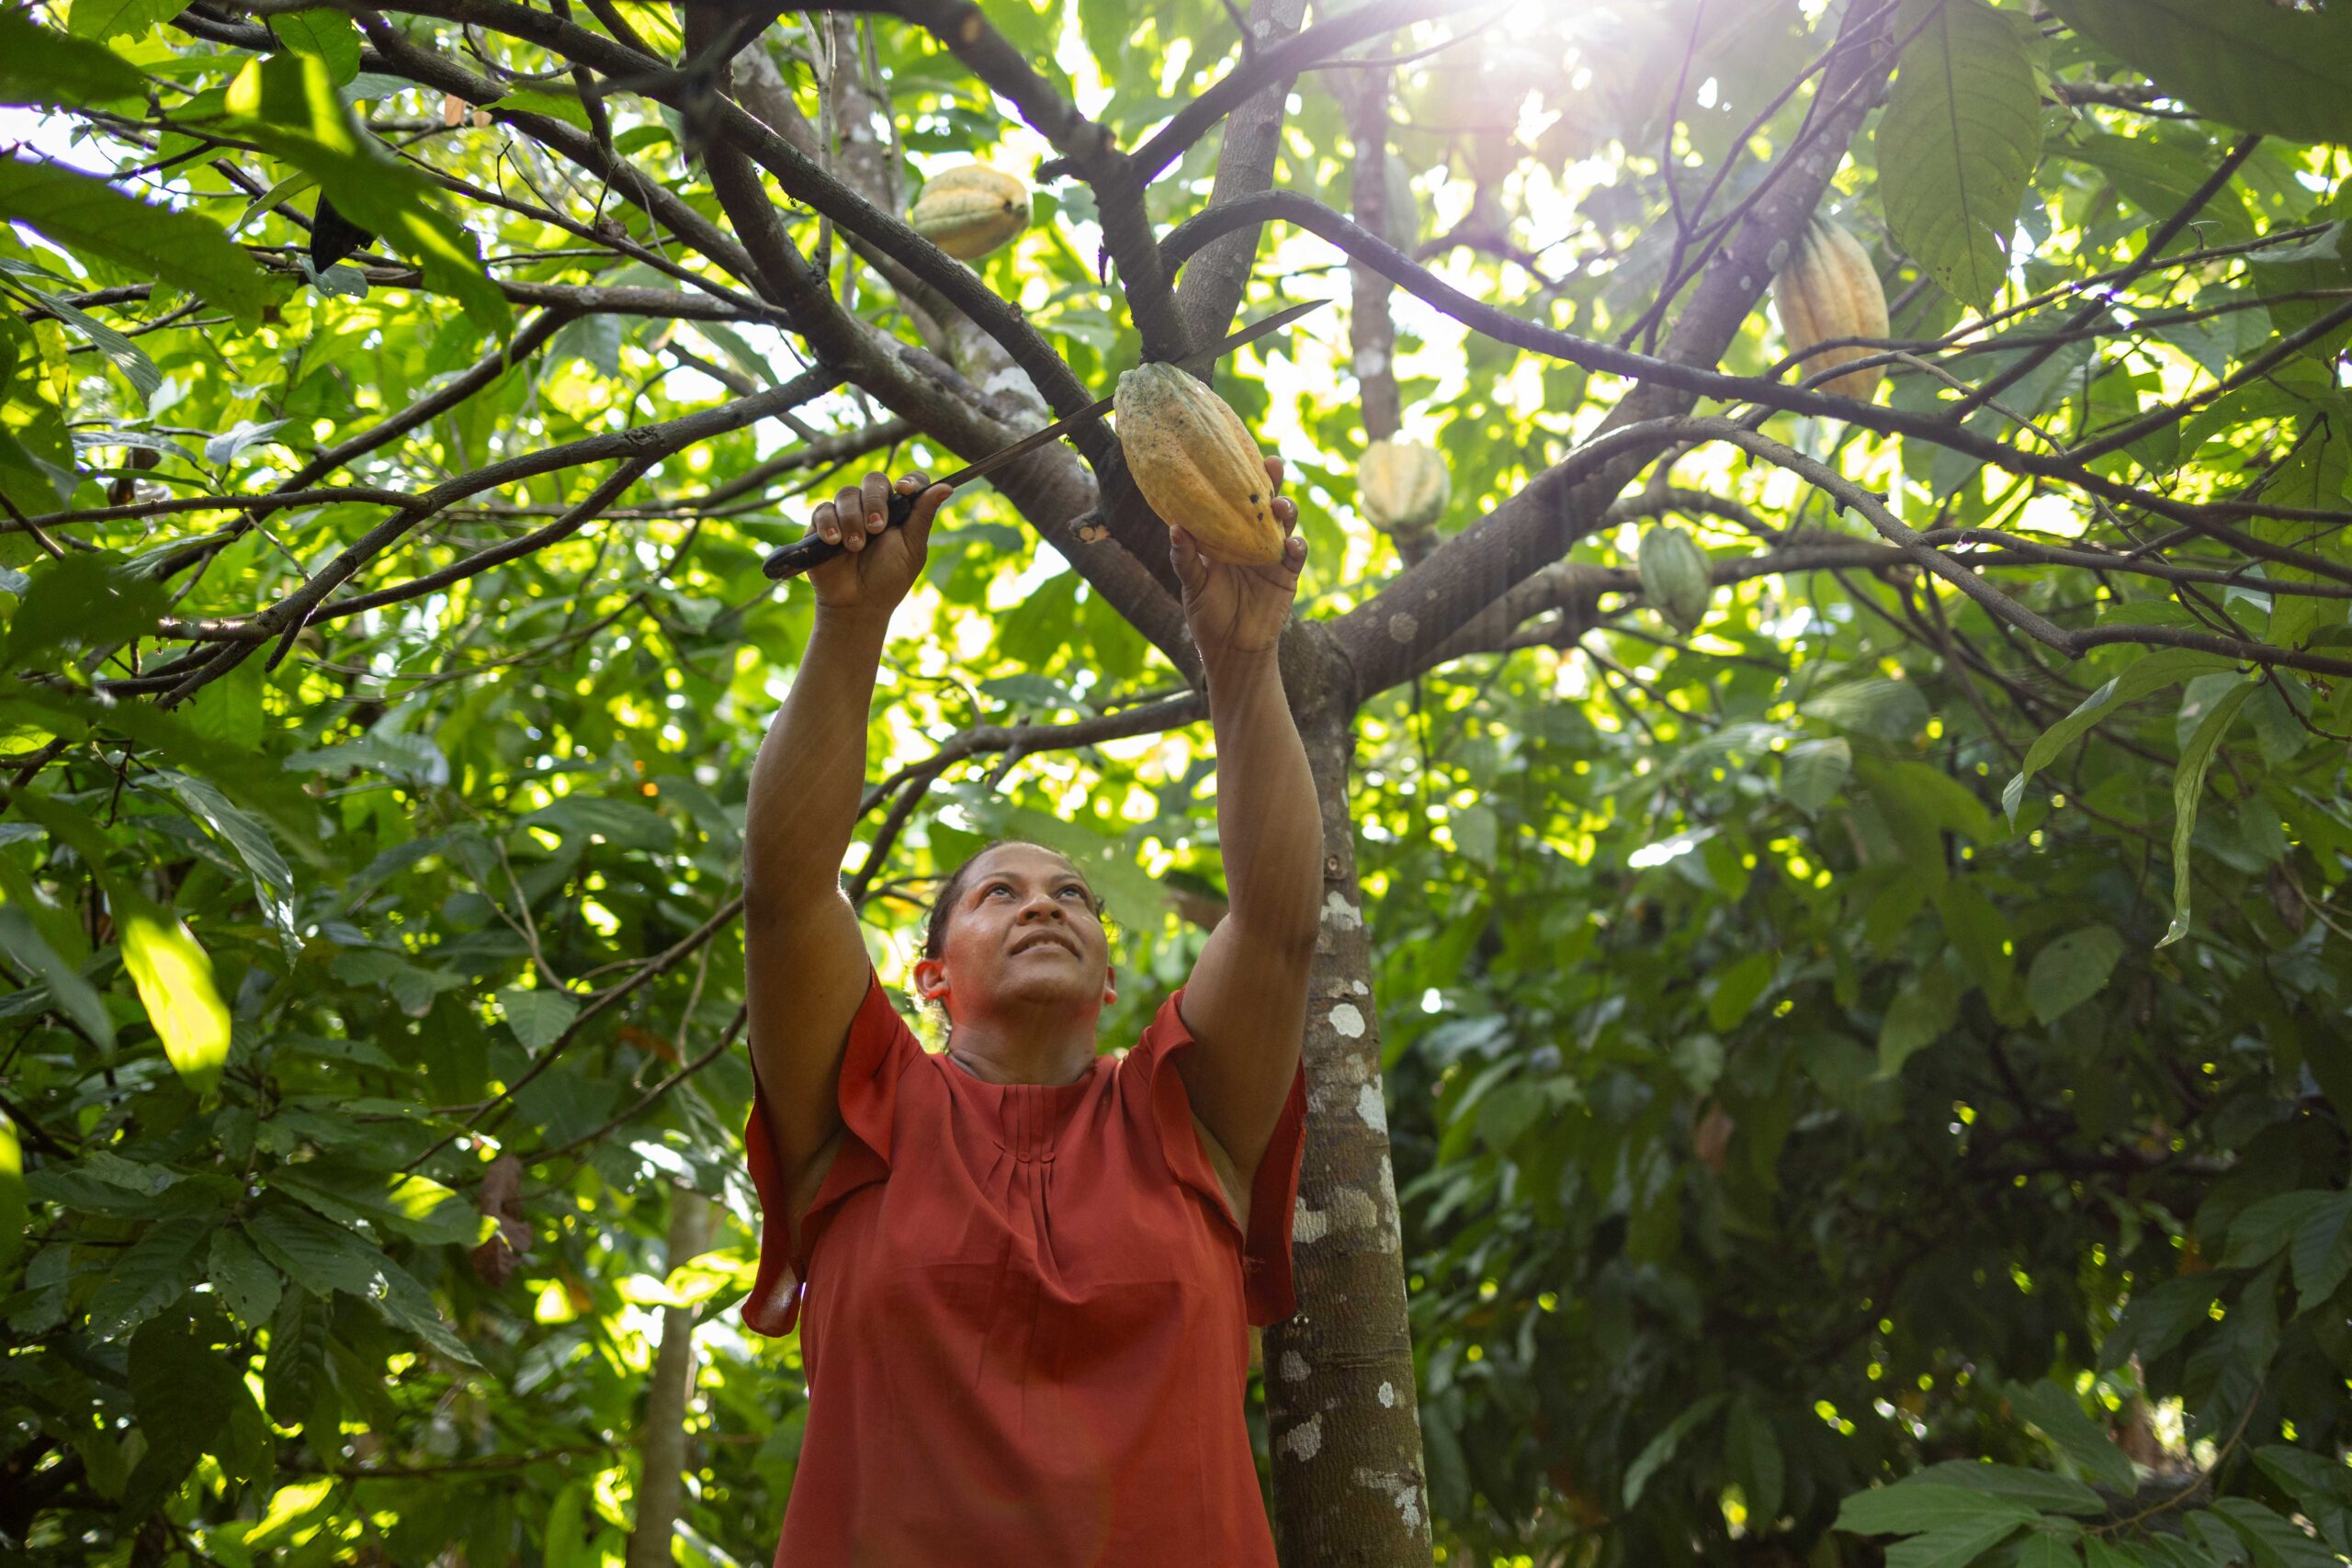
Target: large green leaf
1912,1506
289,104
173,976
41,66
2249,63
2073,1433
2070,971
92,218
2188,794
2149,672
1958,141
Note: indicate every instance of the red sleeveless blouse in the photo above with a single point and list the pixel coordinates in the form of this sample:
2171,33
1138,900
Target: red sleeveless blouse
1021,1313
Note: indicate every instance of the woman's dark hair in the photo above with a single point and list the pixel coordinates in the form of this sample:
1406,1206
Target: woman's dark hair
934,936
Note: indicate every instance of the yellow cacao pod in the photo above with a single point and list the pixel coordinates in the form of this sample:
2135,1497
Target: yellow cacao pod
970,210
1195,462
1830,291
1402,486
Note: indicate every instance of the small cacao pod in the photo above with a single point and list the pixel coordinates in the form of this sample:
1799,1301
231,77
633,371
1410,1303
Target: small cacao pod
1828,290
1402,486
970,210
1674,577
1196,463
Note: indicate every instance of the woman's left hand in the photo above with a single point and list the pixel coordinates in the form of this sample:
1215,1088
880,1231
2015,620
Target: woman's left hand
1239,609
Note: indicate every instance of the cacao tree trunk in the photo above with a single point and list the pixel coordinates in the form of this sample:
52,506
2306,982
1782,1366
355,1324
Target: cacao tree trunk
661,1482
1341,1406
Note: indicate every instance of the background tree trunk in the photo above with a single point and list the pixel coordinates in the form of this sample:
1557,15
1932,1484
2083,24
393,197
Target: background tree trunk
1342,1409
661,1482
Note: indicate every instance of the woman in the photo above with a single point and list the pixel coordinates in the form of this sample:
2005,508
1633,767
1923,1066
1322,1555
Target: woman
1021,1269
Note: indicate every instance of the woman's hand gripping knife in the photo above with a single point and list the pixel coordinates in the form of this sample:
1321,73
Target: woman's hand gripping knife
1245,1004
806,962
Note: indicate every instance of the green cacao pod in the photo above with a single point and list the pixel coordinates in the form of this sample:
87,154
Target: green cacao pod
1830,291
970,210
1674,577
1196,463
1402,486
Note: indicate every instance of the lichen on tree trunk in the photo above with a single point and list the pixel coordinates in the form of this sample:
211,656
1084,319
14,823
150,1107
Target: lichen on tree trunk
1342,1413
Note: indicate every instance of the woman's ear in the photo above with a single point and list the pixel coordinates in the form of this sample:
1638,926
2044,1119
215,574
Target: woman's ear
931,979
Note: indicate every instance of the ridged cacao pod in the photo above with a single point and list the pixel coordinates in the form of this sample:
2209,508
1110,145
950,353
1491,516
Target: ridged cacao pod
1195,462
1830,291
970,210
1674,577
1402,486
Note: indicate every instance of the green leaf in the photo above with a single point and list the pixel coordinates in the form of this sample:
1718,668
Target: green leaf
2150,672
103,19
1952,1547
44,68
1958,142
1913,1506
298,1355
2043,1549
187,1397
124,355
2038,1490
25,946
2187,790
2323,1250
2321,1486
2246,62
2098,1553
320,1256
91,218
1737,990
288,105
2275,1542
88,599
2156,1318
1892,710
1659,1451
1752,1449
2070,971
621,822
537,1018
241,1278
1811,773
2262,1230
329,34
2071,1431
13,1205
173,976
1922,1010
155,1270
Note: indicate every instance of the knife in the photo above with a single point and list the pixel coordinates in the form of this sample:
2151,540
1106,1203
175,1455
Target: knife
791,560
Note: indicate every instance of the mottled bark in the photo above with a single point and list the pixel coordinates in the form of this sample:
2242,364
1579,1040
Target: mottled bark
1341,1406
1372,333
661,1482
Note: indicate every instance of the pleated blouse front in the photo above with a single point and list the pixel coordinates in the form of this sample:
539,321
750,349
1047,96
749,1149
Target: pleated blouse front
1023,1314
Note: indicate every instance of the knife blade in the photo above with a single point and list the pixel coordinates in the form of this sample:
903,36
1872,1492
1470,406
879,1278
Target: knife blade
790,561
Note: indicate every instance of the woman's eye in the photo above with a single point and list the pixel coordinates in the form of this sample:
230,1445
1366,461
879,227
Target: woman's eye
999,887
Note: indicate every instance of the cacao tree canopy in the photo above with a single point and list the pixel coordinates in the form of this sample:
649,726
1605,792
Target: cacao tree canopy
1854,845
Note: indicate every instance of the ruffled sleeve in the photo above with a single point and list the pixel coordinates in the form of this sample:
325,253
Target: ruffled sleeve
880,1048
1267,1290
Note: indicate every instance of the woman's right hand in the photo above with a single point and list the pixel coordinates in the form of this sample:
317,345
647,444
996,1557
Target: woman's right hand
879,564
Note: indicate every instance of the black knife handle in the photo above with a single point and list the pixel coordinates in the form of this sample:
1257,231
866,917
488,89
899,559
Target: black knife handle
790,561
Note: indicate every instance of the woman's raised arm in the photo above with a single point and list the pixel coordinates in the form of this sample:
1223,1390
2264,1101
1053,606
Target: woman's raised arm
806,963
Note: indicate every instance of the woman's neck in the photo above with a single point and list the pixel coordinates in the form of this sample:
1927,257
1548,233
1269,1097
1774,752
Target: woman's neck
1024,1056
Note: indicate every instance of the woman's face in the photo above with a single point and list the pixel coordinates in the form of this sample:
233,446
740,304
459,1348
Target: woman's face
1022,930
